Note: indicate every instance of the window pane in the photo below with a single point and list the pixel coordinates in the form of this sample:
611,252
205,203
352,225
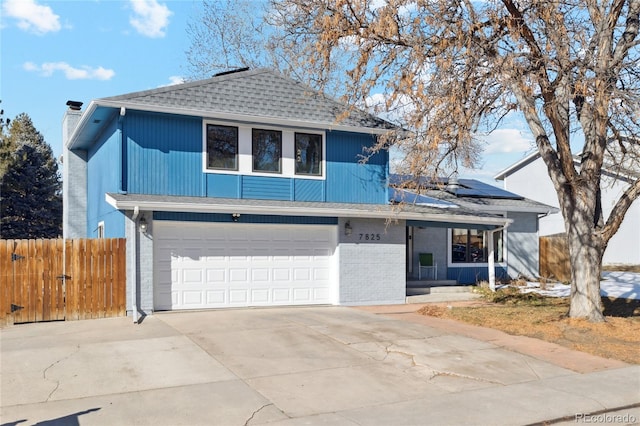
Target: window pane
470,246
267,150
222,147
459,245
477,246
308,154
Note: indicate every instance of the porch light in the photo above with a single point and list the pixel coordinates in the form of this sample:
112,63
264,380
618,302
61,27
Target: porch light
347,228
143,225
235,217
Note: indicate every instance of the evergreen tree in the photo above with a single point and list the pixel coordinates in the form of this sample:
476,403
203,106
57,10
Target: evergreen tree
30,185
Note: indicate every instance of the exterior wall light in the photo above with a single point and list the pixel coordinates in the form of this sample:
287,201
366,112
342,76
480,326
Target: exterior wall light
347,228
143,225
235,217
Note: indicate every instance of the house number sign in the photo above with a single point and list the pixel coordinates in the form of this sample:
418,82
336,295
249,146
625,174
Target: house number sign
369,237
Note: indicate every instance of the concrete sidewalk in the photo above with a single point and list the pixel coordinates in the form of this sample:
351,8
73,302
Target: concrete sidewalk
295,366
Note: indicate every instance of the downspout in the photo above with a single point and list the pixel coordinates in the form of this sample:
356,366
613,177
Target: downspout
492,264
134,265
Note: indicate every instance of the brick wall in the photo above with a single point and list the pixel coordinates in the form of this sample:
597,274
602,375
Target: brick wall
371,262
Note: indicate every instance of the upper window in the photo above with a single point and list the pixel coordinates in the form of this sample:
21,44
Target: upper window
222,147
308,149
267,150
470,246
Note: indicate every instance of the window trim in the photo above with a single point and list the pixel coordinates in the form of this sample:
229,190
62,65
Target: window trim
206,148
245,148
452,264
253,157
295,155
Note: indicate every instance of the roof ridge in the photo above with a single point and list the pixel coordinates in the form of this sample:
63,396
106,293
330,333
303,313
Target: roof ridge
187,84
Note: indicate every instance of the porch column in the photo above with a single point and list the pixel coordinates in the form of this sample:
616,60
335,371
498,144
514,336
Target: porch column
492,268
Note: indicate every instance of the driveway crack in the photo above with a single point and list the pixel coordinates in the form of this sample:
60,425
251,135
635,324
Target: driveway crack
256,412
437,373
57,382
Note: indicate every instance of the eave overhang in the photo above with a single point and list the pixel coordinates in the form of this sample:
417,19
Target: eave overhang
286,208
99,111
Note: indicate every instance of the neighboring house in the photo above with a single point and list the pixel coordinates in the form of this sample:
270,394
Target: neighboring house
529,177
247,189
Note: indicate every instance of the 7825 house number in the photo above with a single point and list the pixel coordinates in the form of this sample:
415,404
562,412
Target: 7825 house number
369,237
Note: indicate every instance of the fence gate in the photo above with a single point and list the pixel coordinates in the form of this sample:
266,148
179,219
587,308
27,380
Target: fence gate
554,258
50,280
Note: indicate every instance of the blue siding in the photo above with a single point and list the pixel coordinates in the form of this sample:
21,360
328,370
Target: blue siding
245,218
103,175
223,186
349,181
165,154
308,190
471,275
164,157
267,188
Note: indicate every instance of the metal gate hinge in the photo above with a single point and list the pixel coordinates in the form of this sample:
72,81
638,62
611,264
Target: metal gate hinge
15,256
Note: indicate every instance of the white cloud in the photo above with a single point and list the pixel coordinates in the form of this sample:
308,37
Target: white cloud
83,73
32,16
173,80
507,141
150,17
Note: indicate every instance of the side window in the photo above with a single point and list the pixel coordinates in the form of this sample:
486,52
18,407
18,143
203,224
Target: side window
308,149
222,147
470,246
267,150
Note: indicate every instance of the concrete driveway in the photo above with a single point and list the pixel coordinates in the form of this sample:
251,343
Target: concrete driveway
294,366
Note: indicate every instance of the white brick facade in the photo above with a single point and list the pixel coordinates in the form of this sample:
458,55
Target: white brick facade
371,262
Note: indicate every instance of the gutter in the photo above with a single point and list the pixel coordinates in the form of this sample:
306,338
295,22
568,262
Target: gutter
170,206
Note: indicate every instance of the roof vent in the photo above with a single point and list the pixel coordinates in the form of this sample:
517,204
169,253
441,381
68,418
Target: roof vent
74,105
231,71
452,184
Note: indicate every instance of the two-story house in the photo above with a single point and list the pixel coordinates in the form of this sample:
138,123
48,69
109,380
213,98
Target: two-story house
247,189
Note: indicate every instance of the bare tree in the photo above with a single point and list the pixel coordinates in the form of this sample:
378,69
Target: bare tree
570,67
453,68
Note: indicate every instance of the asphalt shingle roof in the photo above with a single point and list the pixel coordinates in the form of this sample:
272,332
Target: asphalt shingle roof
258,93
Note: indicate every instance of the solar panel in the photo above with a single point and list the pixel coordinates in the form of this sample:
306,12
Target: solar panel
475,188
404,196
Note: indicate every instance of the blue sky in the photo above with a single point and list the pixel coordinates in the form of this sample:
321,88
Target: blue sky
54,51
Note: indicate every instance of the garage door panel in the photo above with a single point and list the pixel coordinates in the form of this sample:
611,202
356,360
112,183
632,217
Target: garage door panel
302,295
238,297
201,265
238,275
281,274
216,297
216,276
260,275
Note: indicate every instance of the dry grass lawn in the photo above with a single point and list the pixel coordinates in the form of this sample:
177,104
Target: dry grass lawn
545,318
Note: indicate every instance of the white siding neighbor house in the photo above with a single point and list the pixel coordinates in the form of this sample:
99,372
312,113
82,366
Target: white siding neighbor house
530,179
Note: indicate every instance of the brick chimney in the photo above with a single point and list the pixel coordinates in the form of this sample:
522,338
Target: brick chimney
74,180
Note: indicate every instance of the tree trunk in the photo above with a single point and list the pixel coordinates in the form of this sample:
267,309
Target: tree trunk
585,252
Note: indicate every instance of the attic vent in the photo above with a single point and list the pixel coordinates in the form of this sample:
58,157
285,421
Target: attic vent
231,71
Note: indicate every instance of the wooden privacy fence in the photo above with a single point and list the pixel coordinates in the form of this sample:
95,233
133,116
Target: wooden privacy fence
554,258
49,280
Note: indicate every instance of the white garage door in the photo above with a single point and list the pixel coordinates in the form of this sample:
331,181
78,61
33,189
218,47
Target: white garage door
216,265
